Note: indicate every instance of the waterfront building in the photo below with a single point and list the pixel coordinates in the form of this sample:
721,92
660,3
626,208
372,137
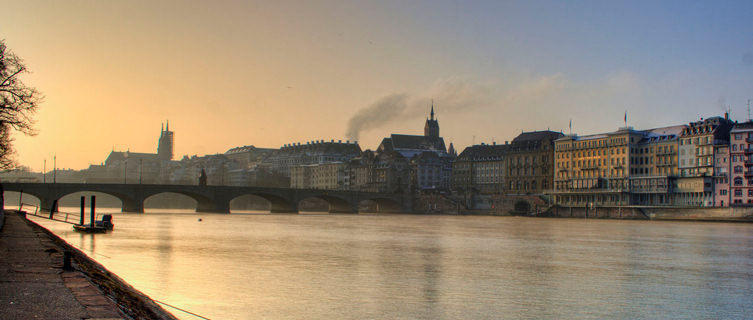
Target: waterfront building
248,157
379,172
654,170
480,169
685,165
325,176
530,162
697,159
594,169
316,152
427,172
722,165
741,163
430,171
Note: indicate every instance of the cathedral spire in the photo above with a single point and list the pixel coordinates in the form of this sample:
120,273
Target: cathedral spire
167,127
432,109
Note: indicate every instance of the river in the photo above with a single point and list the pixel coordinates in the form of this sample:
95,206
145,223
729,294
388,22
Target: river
262,266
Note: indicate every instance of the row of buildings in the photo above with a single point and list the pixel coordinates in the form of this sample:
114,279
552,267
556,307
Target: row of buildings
704,163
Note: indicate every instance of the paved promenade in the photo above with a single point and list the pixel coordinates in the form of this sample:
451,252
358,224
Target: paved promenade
33,284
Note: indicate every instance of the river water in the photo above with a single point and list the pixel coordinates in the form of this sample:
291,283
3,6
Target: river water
262,266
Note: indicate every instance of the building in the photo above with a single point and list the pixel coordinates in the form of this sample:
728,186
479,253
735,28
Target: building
697,159
314,152
248,157
741,163
325,176
530,162
722,165
480,169
135,167
595,169
166,143
431,164
653,172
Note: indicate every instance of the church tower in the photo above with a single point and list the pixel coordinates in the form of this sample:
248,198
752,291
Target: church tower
165,146
431,129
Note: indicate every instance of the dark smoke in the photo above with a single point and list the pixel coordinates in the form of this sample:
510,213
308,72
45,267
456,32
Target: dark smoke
382,111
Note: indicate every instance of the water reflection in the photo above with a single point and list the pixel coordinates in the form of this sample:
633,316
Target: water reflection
247,266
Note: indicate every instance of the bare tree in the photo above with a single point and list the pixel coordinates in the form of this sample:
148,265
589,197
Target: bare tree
18,103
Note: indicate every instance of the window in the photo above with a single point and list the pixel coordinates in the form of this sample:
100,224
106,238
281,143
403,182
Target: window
738,181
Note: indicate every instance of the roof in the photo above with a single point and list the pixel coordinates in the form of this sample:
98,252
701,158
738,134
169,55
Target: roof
748,125
484,152
537,136
121,156
411,145
663,134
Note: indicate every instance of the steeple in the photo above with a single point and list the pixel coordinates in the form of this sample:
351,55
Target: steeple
166,141
432,109
431,129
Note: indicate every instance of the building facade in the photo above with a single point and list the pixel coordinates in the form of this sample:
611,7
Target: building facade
480,169
741,165
530,162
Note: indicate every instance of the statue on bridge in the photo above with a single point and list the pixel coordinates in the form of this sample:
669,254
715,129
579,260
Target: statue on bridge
203,178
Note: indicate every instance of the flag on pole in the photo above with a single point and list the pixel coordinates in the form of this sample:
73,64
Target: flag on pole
571,126
626,118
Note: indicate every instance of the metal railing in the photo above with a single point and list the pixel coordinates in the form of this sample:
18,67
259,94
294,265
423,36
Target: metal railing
60,216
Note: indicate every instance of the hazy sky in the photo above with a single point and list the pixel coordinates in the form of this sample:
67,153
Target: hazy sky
232,73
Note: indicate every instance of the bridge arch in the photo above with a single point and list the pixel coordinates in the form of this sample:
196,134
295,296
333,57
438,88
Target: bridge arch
176,200
249,202
203,202
12,198
277,204
126,201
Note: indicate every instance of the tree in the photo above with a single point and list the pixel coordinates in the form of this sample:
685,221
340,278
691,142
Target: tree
18,103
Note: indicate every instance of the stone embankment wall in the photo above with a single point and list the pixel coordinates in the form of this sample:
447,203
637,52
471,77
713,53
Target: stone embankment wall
655,213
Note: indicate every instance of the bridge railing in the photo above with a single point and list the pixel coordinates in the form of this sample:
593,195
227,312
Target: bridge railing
60,216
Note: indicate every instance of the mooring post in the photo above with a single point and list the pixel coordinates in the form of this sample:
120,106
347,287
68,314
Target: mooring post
20,200
67,261
54,208
93,204
83,207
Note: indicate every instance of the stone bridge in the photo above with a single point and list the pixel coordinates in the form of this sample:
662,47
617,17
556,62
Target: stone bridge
215,198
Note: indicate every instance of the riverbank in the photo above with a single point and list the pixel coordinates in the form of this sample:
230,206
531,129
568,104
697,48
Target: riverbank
36,285
726,214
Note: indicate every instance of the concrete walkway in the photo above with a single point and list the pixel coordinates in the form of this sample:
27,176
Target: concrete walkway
33,284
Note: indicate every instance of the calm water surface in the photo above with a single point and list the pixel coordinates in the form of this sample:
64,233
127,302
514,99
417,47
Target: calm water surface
261,266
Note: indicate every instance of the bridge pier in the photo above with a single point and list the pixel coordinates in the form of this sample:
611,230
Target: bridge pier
282,207
132,206
343,208
217,206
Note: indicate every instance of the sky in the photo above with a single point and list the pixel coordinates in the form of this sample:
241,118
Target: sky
268,73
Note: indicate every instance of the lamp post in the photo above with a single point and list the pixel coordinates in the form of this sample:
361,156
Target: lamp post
125,172
54,168
44,171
